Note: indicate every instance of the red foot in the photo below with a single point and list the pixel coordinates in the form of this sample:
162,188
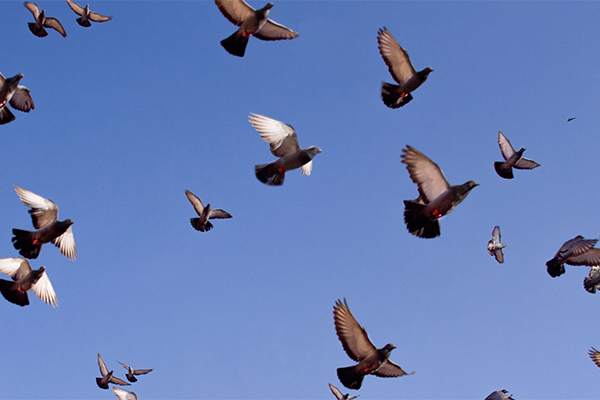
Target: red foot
437,213
403,94
246,34
280,169
2,104
36,242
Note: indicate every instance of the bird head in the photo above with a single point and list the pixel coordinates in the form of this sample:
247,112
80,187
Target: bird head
313,151
15,79
388,348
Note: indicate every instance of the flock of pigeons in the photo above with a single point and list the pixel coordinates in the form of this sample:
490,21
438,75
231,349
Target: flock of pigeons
437,197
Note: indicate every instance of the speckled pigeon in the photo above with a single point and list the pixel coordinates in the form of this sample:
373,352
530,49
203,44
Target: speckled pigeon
24,280
495,246
41,21
14,94
44,215
576,251
201,224
396,58
592,282
131,373
284,144
359,347
436,197
86,15
107,376
251,22
514,159
338,395
499,395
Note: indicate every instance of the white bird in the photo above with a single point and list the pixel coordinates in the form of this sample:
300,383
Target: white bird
25,279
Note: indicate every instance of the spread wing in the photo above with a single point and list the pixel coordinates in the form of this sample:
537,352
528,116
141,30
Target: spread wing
33,8
271,30
395,57
595,356
141,371
196,202
307,168
44,290
354,338
236,11
336,392
66,244
16,267
525,163
496,235
21,99
124,394
390,370
575,247
218,214
56,25
591,257
43,211
102,365
117,381
425,173
281,137
505,147
75,7
499,256
98,17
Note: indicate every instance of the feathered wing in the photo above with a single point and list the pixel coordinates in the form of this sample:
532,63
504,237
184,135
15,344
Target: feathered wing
354,338
66,244
395,57
56,25
390,369
15,267
336,392
43,211
525,163
591,257
236,11
271,30
499,255
595,356
124,394
141,371
22,100
281,137
33,8
94,16
307,168
575,247
76,7
425,173
217,213
44,290
102,365
496,235
505,147
117,381
196,202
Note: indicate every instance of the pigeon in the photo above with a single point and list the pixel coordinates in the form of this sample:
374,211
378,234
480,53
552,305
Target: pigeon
123,394
107,376
571,119
513,159
25,279
251,22
577,251
132,372
495,247
338,395
499,395
284,144
86,15
436,197
396,58
44,214
357,345
14,94
592,283
201,224
41,21
595,356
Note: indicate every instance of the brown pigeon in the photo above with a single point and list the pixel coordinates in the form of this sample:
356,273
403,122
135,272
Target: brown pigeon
131,373
14,94
357,345
41,21
86,15
514,159
201,224
24,280
107,376
338,395
576,251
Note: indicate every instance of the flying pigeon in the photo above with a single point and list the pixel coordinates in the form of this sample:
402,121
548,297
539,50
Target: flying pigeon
357,345
577,251
396,58
592,283
513,159
251,22
495,247
123,394
436,197
44,214
338,395
86,15
41,21
571,119
24,280
201,224
14,94
107,376
132,372
499,395
284,144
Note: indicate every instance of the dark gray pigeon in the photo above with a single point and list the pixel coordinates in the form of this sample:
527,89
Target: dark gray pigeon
571,119
201,224
592,282
396,58
41,21
86,15
107,376
131,373
251,22
576,251
436,197
338,395
284,144
14,94
44,214
123,394
358,346
495,247
513,159
24,280
499,395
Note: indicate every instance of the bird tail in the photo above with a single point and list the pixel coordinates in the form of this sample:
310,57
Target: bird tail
85,23
236,44
23,242
6,115
504,172
101,384
392,95
199,226
269,174
38,31
350,377
418,223
12,294
555,268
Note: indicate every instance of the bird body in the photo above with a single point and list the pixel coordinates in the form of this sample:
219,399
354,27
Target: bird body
495,247
107,376
41,21
513,159
592,282
24,280
14,94
205,213
86,15
576,251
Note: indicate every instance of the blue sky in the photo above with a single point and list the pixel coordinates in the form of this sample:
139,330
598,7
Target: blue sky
132,112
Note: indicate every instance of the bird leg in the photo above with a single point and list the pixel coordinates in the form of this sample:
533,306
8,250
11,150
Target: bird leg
437,213
246,34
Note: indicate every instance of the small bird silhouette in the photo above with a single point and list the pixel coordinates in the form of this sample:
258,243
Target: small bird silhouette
571,119
132,372
14,94
495,246
576,251
107,376
514,159
201,224
86,15
338,395
24,280
41,21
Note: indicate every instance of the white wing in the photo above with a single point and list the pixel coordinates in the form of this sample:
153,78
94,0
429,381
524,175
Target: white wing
307,168
505,147
44,290
14,266
35,10
124,394
281,137
66,244
425,173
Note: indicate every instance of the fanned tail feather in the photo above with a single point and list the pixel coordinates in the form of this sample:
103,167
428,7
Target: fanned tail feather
391,96
197,224
6,115
24,243
418,223
350,377
555,268
506,173
12,294
38,31
236,44
269,174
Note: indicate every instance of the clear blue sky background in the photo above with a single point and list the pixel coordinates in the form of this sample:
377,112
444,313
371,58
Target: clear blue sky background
132,112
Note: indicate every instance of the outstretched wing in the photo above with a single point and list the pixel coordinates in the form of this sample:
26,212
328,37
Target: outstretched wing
271,30
66,244
390,370
505,147
196,202
44,290
425,173
354,337
16,267
281,137
21,99
43,211
236,11
395,57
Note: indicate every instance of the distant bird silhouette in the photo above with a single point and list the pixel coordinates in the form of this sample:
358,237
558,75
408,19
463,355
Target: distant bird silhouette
284,144
86,15
514,159
44,215
338,395
592,282
201,224
396,58
123,394
14,94
495,246
359,347
436,197
576,251
132,372
24,280
571,119
41,21
107,376
251,22
499,395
